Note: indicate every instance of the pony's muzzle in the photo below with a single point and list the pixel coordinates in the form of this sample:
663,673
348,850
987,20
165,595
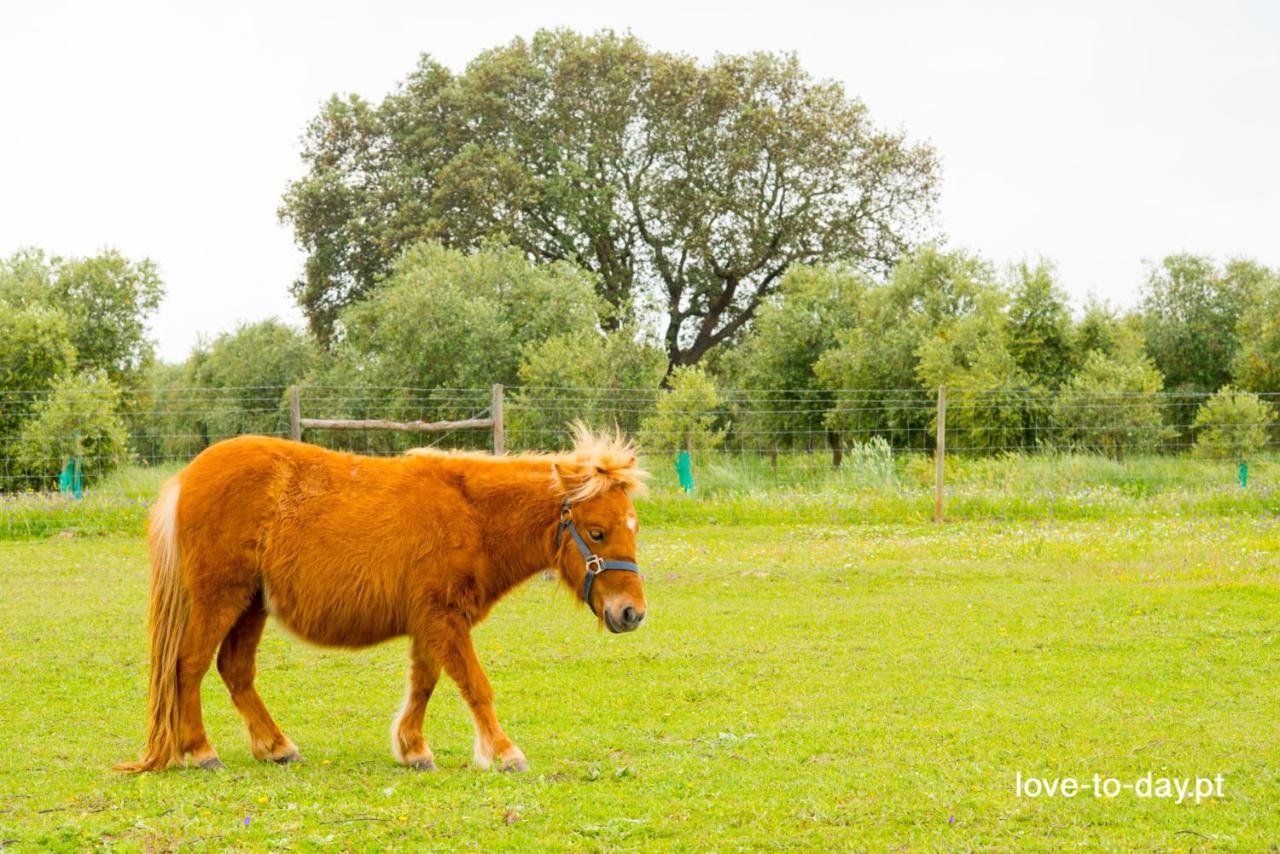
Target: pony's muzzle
627,619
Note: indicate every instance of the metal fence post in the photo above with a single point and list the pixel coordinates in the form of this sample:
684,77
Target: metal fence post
495,412
940,453
295,415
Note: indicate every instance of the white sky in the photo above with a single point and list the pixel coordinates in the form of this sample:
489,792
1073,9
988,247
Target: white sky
1098,135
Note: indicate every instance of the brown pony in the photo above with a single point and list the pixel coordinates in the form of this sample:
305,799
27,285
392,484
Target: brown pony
349,550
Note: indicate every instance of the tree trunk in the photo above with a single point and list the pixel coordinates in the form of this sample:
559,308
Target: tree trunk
837,448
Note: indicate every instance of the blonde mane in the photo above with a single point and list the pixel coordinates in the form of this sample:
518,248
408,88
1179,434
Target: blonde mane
598,462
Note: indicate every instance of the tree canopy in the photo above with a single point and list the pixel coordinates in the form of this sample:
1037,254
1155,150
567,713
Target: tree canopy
1040,325
790,334
1191,308
1256,365
69,328
107,300
448,319
687,189
877,361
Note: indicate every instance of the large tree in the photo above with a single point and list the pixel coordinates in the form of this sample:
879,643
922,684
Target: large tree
1040,335
1256,366
107,300
34,353
936,303
1191,308
688,189
777,356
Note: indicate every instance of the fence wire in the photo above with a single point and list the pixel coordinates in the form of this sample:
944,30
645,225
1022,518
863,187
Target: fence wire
742,442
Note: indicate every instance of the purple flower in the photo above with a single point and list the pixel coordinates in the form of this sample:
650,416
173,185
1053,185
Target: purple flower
247,819
950,820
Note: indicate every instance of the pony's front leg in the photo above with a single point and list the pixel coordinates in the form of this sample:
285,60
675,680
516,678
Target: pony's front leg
407,743
455,651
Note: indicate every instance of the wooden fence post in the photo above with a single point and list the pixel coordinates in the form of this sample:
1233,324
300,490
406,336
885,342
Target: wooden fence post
295,415
940,453
495,412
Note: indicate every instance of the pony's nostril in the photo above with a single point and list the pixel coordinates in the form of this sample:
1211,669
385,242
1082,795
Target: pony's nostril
631,617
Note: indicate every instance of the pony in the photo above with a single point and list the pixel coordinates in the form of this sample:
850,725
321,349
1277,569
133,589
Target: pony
348,551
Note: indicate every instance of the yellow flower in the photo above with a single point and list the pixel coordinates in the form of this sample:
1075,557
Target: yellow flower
263,799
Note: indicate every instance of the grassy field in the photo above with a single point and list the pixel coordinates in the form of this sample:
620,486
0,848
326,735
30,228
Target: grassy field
797,686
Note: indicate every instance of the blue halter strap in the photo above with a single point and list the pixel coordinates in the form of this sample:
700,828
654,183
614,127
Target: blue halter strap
595,563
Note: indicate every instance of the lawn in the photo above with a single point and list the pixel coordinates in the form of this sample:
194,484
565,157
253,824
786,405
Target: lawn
797,686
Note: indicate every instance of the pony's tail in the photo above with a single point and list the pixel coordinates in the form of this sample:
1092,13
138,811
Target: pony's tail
170,605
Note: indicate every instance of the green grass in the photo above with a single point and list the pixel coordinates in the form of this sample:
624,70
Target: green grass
800,687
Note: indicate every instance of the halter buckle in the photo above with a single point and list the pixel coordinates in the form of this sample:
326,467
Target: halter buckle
594,564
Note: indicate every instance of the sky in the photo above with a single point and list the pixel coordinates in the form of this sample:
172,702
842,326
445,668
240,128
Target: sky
1102,136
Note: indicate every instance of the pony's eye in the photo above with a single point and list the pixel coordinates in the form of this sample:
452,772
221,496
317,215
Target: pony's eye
596,535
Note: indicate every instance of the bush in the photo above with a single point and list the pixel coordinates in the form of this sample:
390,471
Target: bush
777,356
604,380
1232,425
1111,406
685,416
870,463
986,389
33,351
80,416
243,377
445,319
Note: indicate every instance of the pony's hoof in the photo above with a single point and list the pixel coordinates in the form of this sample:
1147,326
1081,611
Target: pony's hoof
289,758
213,763
423,765
514,765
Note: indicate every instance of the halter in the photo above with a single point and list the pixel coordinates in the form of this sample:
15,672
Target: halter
595,563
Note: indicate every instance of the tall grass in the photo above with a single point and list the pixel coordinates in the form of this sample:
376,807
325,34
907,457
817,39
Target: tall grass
118,504
872,485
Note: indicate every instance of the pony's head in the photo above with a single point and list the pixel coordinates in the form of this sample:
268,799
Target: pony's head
596,536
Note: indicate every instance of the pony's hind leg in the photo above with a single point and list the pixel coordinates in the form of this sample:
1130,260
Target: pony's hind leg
236,664
207,624
407,743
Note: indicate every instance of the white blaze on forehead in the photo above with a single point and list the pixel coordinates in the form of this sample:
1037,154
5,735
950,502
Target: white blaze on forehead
632,523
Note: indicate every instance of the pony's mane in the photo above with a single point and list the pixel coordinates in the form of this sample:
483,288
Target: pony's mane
598,462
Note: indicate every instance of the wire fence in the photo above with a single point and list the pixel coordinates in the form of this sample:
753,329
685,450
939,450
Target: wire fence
741,441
